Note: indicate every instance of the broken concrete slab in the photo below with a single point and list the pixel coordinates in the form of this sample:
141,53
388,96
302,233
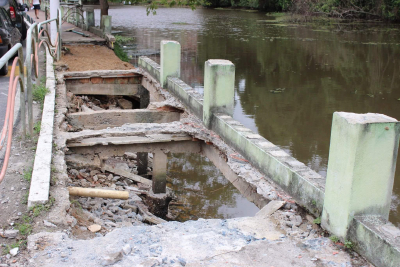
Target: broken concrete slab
270,208
96,120
194,243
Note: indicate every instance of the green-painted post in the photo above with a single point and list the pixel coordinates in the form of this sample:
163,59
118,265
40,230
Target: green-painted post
361,167
90,18
170,53
219,84
106,24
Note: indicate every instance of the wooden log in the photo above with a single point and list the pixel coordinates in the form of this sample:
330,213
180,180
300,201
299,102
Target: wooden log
93,192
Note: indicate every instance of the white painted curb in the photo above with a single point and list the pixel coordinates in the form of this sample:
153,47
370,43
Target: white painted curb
40,183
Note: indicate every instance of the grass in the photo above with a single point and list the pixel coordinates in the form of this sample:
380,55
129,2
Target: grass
37,127
28,174
122,39
119,52
24,228
76,204
7,249
39,93
317,220
348,244
25,198
334,239
38,209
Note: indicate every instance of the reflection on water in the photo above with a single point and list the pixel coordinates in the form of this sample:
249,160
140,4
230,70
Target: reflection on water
203,191
352,68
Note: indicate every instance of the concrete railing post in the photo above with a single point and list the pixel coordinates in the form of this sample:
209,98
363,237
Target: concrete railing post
361,167
142,163
106,24
90,18
170,53
159,180
219,85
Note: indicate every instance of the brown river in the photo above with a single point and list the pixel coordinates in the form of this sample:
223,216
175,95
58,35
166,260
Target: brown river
325,67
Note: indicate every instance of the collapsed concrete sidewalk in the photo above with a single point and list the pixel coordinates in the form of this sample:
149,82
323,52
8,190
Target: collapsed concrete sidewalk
234,242
288,237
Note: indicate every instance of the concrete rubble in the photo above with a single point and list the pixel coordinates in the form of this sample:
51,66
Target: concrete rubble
234,242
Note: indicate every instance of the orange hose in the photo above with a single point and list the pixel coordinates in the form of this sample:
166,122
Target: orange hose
5,126
10,126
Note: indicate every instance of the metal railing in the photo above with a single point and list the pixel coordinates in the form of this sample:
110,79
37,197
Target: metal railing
33,43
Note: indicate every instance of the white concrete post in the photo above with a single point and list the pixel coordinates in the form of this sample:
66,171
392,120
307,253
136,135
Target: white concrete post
54,5
361,167
170,61
219,88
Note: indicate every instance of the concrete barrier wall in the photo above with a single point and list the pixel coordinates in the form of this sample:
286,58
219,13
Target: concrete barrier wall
150,66
375,238
187,95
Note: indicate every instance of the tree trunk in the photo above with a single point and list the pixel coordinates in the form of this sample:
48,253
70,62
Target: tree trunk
104,9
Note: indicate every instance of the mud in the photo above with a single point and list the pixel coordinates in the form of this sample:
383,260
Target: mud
90,57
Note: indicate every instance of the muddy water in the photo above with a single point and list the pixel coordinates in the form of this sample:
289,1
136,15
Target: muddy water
323,68
203,191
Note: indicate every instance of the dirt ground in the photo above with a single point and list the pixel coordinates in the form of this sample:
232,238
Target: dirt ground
92,57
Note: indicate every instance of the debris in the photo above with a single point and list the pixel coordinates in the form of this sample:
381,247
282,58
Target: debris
14,251
125,104
9,234
112,258
278,90
49,224
270,208
94,228
126,249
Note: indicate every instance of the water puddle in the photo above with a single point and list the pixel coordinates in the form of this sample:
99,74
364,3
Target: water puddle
203,191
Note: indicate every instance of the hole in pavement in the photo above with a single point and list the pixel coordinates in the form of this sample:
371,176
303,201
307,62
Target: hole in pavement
199,184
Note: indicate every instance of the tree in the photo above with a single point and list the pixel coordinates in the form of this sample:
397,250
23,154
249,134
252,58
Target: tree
153,5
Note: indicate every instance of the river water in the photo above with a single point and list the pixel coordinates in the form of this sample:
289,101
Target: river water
352,67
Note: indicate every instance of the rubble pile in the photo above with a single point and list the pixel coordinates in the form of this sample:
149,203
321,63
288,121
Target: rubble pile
90,103
113,213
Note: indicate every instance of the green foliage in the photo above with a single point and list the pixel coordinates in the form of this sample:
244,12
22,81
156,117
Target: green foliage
348,244
39,93
153,5
25,198
7,249
317,220
123,39
37,127
28,174
120,53
38,209
334,239
24,228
